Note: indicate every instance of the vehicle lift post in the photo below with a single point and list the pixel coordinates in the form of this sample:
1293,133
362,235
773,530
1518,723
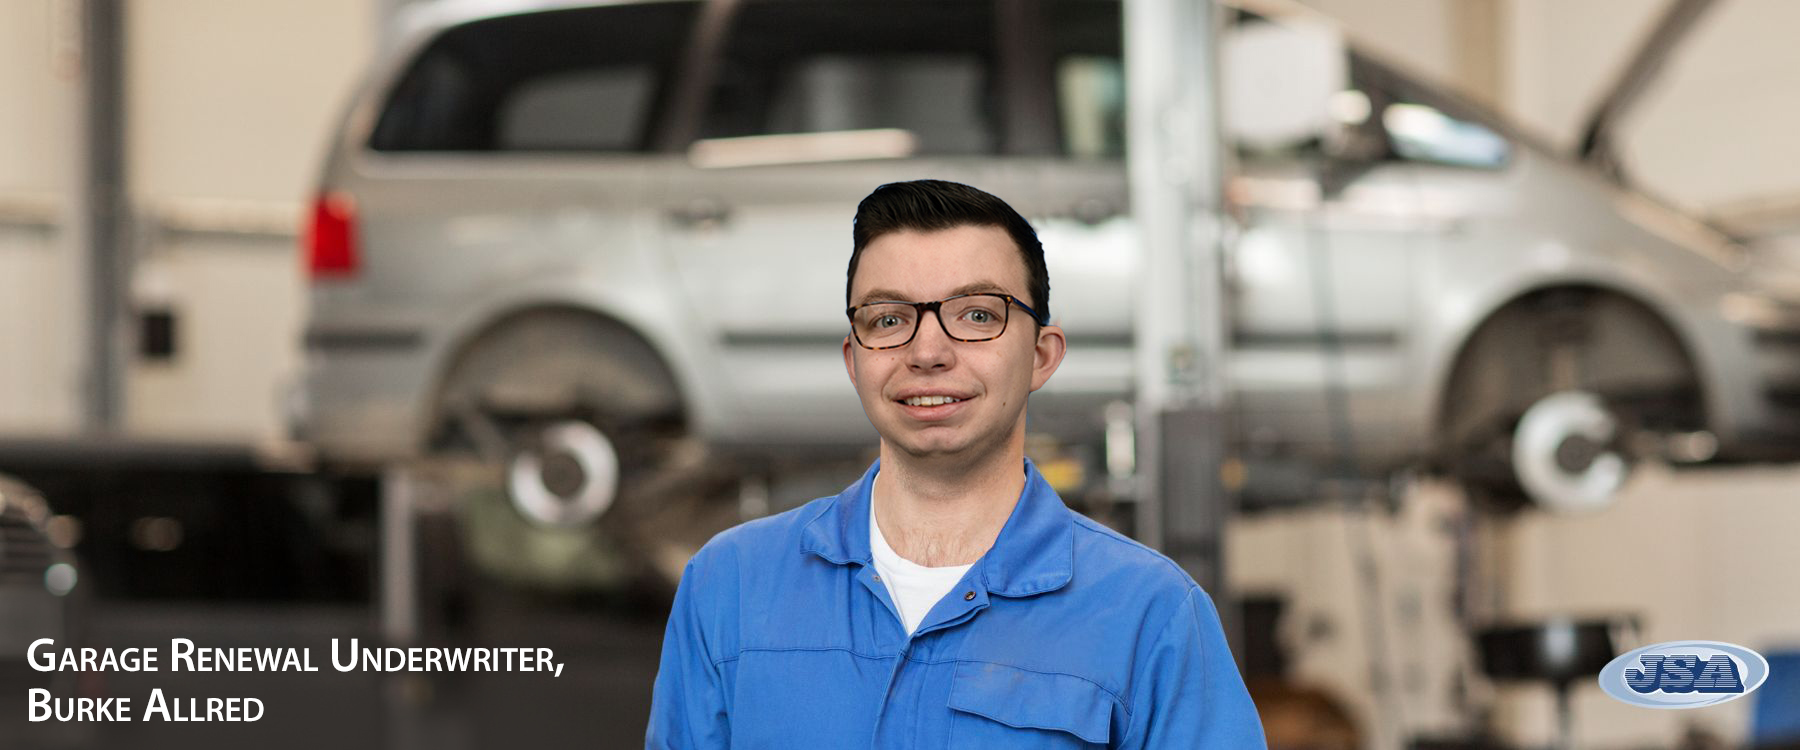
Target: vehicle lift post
398,598
1176,171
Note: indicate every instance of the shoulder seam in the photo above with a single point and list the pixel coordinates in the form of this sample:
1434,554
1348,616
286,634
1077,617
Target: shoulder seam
1082,522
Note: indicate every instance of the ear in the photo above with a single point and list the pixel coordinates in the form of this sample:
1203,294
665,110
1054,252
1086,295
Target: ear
850,360
1047,355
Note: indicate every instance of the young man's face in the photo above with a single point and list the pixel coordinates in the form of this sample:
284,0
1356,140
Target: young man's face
989,378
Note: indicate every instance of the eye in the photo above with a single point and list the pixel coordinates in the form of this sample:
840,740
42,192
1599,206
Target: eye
979,316
887,321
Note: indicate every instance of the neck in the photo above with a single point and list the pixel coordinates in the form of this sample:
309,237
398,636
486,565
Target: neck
940,515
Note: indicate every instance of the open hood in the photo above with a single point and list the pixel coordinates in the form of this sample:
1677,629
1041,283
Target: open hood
1597,147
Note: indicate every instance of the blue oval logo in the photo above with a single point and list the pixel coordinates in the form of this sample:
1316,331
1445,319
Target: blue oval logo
1684,674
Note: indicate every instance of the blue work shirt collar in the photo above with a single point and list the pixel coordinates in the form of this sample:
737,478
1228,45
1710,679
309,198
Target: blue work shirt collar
1034,553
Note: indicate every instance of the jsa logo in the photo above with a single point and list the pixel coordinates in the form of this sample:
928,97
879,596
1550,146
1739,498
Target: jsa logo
1684,674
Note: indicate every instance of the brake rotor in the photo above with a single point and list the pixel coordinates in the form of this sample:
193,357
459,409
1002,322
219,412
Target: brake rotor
569,479
1563,454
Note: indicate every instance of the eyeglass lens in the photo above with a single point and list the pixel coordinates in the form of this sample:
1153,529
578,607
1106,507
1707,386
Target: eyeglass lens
969,318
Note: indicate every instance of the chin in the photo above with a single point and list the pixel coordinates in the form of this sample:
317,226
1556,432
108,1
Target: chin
927,446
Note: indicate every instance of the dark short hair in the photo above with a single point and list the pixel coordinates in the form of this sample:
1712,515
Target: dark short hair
936,205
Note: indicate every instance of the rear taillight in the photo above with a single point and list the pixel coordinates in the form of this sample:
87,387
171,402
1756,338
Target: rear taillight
331,250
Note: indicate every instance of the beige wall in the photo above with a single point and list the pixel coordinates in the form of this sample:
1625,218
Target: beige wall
40,331
235,99
230,108
37,85
1414,33
40,282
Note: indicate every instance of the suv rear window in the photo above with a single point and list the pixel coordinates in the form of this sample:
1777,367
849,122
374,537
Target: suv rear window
587,79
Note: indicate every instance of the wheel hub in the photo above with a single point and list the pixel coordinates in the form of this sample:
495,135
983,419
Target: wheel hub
563,475
1576,453
1562,453
569,479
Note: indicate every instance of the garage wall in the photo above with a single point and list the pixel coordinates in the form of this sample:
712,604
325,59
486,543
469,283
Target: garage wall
235,100
230,108
40,284
37,82
1414,33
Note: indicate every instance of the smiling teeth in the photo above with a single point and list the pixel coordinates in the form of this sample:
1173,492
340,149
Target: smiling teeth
931,400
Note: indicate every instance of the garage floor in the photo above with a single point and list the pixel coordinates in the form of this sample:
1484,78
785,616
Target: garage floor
1722,571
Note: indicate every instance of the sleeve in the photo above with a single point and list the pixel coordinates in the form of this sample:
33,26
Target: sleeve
688,709
1188,693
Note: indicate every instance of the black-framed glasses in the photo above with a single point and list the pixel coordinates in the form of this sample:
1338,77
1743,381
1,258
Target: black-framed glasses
888,324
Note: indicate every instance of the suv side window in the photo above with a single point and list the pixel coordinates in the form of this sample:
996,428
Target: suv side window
928,67
587,79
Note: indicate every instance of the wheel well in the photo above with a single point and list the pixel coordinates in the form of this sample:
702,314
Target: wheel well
556,360
1621,347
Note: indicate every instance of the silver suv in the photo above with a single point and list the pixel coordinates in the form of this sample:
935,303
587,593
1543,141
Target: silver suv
584,240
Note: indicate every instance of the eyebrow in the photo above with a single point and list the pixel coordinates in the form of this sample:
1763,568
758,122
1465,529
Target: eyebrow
889,295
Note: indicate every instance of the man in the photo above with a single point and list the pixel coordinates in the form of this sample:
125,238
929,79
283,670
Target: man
948,598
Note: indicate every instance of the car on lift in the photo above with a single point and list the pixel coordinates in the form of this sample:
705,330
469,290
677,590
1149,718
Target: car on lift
599,244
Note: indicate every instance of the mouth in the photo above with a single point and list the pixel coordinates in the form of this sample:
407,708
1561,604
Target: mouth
930,400
932,407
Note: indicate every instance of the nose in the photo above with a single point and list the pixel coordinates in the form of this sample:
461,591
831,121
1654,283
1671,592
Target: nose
931,348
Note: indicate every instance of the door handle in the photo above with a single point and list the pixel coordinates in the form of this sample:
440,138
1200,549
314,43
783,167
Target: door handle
700,213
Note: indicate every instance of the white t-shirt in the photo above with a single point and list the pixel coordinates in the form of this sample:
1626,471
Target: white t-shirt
914,587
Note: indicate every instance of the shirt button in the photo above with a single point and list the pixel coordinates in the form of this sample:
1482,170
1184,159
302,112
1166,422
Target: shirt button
969,597
877,578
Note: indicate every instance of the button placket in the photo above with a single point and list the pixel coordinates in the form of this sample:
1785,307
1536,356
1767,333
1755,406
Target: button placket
872,581
973,600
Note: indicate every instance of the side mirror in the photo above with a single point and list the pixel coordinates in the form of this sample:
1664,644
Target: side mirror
1278,82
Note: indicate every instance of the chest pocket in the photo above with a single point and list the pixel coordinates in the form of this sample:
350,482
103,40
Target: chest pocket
998,706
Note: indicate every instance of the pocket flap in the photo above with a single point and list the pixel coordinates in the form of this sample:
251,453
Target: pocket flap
1036,700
